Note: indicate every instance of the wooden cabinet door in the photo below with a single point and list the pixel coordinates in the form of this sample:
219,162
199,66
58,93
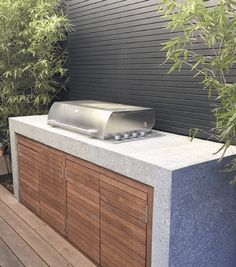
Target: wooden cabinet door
29,176
42,171
52,188
83,207
123,215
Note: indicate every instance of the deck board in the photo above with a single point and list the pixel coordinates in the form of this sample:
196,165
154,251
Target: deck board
21,249
7,257
43,240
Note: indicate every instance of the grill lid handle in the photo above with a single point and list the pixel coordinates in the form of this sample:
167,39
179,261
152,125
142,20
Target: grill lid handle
73,128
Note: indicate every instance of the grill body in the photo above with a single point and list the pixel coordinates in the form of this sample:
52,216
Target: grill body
99,119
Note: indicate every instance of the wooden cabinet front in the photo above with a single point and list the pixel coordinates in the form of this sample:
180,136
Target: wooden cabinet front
106,215
83,208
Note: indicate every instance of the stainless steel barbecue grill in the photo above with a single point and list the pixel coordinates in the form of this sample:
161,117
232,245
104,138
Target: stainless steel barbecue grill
103,120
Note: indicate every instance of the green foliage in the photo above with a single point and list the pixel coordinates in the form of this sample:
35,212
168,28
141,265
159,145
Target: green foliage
31,58
215,28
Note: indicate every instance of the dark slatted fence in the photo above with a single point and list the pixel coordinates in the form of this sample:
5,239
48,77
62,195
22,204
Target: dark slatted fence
115,56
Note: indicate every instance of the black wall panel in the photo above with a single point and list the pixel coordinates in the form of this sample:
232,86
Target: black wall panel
114,55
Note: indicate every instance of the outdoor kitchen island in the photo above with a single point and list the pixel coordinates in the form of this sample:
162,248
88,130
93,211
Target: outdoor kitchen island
194,207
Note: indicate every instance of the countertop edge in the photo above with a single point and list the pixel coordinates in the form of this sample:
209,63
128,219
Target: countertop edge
136,169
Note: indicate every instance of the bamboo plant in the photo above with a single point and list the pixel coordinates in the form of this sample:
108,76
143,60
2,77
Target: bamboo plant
32,61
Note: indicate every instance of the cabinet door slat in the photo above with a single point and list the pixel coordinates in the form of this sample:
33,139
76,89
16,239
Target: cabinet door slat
82,168
83,206
125,216
78,177
123,251
83,195
83,245
41,161
128,189
86,229
134,199
123,244
52,217
29,190
29,202
46,151
120,203
131,240
41,170
114,253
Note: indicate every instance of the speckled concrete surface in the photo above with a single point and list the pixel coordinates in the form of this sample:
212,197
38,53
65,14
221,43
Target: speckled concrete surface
203,217
160,161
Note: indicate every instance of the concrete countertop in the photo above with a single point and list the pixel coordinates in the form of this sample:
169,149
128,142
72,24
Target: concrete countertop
165,150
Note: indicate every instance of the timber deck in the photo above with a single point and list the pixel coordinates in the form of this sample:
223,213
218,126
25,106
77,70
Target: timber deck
25,240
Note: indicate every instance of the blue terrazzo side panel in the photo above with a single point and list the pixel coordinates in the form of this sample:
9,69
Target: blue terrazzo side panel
203,217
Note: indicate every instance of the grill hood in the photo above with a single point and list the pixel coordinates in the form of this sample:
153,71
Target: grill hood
103,120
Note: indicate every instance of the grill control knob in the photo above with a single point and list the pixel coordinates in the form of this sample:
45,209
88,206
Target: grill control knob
117,137
142,133
126,136
134,134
